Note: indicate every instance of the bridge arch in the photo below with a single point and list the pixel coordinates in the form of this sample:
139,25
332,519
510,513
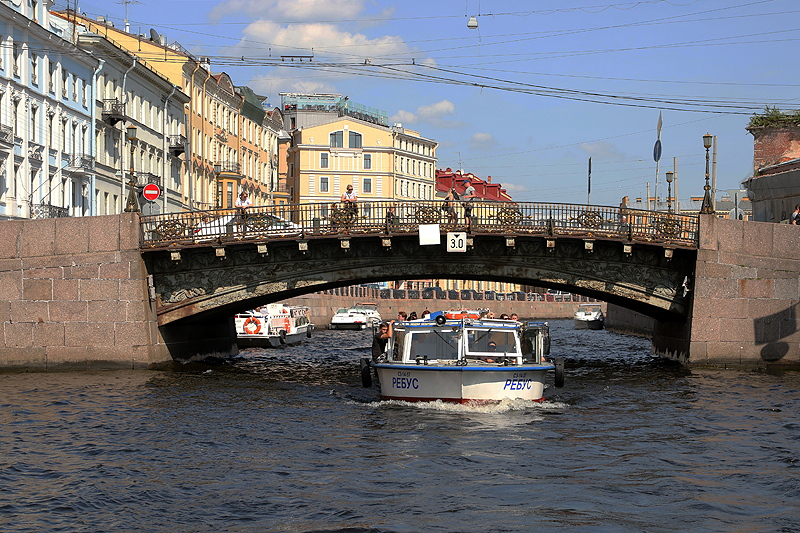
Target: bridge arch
204,288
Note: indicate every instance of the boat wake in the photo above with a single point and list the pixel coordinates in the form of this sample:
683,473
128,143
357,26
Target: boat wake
504,406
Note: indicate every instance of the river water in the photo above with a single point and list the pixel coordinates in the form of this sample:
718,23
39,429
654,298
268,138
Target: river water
288,440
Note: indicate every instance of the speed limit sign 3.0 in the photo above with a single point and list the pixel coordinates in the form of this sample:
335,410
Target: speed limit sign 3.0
151,192
457,242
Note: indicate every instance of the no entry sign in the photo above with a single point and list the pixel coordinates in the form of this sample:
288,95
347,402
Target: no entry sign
151,192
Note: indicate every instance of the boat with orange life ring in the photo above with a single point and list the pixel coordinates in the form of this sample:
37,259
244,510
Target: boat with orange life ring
273,325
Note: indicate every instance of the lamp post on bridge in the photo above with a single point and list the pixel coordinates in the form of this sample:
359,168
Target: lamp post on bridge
708,206
669,191
132,204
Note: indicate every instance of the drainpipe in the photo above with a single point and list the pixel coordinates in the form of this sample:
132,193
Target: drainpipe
122,138
166,139
92,143
191,141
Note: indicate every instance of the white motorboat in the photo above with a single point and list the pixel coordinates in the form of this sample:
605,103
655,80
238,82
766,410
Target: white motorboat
462,358
273,325
589,316
359,316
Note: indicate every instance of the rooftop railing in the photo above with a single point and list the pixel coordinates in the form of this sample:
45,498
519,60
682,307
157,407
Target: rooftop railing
286,222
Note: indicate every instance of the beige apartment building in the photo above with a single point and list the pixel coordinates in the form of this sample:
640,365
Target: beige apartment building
335,143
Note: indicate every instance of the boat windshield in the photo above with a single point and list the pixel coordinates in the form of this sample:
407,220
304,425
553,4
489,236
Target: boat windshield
491,341
435,344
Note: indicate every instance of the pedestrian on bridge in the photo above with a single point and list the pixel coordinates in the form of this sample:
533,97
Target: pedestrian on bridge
796,216
469,194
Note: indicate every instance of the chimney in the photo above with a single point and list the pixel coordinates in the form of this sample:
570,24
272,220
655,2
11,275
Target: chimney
488,179
774,144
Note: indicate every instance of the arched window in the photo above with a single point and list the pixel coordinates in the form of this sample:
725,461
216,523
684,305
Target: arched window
355,140
337,139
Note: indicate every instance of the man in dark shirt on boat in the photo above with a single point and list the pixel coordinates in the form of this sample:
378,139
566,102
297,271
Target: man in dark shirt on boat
380,340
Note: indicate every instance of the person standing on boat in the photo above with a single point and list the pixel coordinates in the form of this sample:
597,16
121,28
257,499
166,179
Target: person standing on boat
469,194
380,339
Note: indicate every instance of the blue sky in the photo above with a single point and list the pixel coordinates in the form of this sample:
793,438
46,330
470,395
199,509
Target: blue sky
562,80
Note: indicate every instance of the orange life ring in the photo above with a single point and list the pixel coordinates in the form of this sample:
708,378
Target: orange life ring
455,315
249,322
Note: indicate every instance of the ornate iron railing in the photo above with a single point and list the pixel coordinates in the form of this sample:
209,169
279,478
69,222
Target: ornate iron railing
48,211
295,221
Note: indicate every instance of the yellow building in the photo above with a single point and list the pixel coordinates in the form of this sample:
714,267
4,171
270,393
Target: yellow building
324,159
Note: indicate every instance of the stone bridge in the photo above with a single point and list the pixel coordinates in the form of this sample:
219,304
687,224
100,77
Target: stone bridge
124,291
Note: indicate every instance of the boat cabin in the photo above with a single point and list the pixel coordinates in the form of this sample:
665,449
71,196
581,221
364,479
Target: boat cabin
468,341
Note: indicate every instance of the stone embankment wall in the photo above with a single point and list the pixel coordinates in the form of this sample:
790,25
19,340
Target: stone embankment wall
627,322
746,302
73,294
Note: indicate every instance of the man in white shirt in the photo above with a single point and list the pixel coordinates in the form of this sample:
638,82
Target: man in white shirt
242,203
349,199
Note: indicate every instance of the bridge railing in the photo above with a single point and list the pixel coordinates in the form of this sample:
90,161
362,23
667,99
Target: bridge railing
294,221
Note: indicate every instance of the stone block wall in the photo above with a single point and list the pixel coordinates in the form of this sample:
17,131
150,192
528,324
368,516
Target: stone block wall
746,303
73,294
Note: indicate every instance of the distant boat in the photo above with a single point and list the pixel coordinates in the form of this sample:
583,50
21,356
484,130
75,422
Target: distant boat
589,316
273,325
359,316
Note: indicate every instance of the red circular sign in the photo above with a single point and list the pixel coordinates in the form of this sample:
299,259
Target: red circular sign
151,191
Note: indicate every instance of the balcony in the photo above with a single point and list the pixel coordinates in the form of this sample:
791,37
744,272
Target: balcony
144,178
113,110
177,145
48,211
227,167
81,164
6,138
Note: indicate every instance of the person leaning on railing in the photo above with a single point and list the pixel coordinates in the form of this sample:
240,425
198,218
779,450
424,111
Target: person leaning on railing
349,199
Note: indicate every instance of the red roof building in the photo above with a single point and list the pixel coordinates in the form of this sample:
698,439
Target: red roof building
484,189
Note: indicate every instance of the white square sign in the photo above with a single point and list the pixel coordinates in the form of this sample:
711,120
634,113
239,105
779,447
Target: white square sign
457,242
429,234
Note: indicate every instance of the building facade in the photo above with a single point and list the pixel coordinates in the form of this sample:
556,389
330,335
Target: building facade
46,148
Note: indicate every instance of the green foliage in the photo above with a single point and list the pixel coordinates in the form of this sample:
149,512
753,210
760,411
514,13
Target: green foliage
774,118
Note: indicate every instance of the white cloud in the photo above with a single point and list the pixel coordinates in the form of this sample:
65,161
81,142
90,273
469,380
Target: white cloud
432,114
513,187
602,150
482,141
290,10
323,39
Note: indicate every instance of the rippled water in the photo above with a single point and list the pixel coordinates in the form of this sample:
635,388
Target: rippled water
287,440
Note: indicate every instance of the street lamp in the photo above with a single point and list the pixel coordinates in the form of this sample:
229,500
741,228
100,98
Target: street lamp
472,23
707,207
669,191
132,204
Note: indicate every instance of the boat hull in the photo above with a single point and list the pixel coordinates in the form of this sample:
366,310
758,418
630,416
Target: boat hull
588,324
273,341
461,384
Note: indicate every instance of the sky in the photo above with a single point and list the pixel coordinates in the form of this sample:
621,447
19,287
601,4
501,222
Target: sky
531,94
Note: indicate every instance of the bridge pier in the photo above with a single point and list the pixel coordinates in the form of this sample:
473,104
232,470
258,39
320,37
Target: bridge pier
746,303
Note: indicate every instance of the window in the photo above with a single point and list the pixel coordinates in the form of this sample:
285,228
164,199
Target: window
323,184
34,70
337,139
293,122
323,161
64,79
16,59
367,186
367,162
51,76
75,87
355,140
